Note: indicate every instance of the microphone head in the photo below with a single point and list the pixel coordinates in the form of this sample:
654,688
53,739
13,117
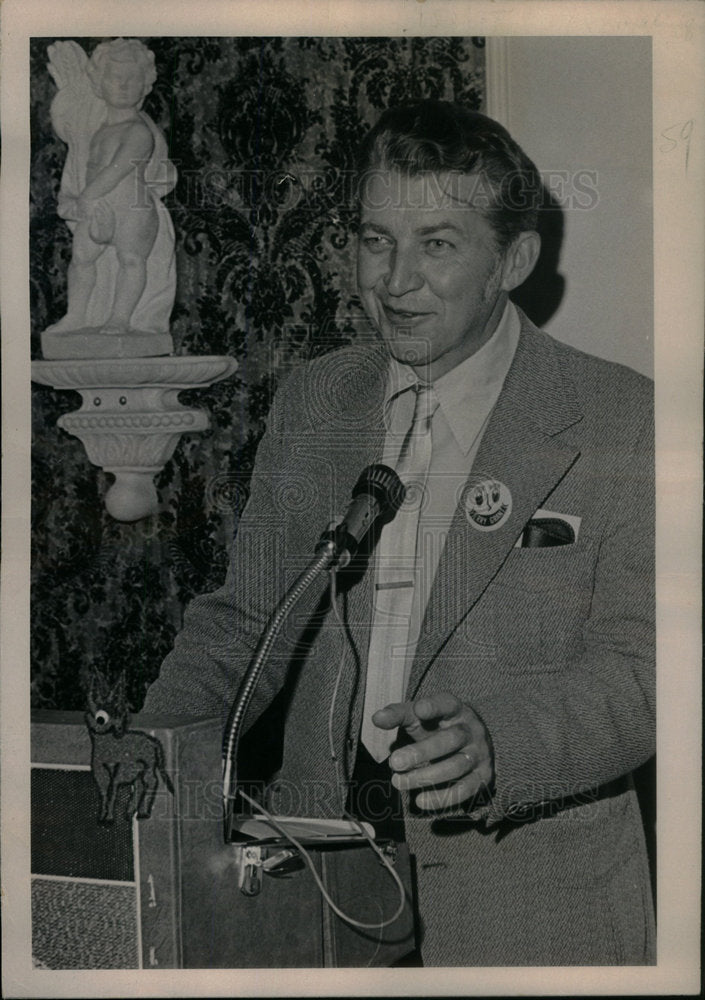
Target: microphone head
376,497
381,482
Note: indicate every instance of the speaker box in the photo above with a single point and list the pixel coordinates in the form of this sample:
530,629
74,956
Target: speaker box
163,891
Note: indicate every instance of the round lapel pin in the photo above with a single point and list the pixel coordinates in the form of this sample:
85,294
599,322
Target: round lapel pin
487,502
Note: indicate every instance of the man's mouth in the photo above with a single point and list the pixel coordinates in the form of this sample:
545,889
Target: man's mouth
403,316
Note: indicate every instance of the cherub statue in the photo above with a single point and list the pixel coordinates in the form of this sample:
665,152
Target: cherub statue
121,279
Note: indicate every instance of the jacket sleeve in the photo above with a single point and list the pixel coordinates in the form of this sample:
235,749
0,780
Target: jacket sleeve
561,734
200,677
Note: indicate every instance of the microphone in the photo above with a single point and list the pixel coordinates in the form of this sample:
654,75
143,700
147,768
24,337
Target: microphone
376,497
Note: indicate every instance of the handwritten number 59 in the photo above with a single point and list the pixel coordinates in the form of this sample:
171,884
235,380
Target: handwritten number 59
677,135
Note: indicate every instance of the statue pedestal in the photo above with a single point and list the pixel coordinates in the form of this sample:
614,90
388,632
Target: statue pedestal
131,419
91,343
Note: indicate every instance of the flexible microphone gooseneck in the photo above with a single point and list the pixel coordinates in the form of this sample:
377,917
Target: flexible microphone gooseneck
376,497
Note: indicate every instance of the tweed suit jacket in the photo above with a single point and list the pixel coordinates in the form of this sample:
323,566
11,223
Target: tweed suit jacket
552,647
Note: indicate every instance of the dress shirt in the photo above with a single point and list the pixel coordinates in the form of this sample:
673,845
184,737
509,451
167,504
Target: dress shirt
466,395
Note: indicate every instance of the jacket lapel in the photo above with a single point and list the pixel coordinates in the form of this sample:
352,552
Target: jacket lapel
524,448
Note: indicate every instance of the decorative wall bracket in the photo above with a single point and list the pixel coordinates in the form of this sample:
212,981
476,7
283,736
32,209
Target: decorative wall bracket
131,419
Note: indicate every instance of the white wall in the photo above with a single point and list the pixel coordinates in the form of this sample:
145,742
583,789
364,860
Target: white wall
584,103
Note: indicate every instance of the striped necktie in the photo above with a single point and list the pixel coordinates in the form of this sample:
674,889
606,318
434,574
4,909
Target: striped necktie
395,579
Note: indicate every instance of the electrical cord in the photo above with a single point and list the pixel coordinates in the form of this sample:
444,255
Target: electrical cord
336,763
322,561
280,828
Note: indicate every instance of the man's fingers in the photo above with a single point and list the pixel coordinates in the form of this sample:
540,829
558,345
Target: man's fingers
450,769
397,714
455,795
415,716
439,744
438,706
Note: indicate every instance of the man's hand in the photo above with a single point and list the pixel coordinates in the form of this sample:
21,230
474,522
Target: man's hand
452,749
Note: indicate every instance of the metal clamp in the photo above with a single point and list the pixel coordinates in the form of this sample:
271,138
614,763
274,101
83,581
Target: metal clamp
250,859
283,864
390,850
253,861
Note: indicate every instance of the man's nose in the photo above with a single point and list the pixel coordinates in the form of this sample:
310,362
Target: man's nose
403,275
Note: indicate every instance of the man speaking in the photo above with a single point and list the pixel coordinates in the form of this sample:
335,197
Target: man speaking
486,679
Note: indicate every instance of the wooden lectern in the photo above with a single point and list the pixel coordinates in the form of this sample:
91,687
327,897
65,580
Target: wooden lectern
164,891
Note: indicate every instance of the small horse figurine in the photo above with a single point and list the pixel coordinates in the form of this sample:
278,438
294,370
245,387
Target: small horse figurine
122,756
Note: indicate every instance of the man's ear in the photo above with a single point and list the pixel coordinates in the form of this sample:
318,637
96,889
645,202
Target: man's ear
520,259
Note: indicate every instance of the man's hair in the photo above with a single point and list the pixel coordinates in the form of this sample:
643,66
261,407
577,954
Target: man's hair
434,137
128,50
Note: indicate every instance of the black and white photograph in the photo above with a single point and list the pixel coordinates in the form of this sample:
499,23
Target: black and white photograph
350,523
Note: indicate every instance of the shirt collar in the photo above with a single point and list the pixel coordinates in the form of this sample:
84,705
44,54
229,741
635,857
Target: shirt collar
473,385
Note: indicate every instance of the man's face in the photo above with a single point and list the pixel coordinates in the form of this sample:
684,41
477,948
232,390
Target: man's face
429,272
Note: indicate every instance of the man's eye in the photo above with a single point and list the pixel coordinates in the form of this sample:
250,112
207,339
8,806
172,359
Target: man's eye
438,246
376,244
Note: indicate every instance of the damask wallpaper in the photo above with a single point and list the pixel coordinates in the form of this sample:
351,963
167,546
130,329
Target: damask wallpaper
264,133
